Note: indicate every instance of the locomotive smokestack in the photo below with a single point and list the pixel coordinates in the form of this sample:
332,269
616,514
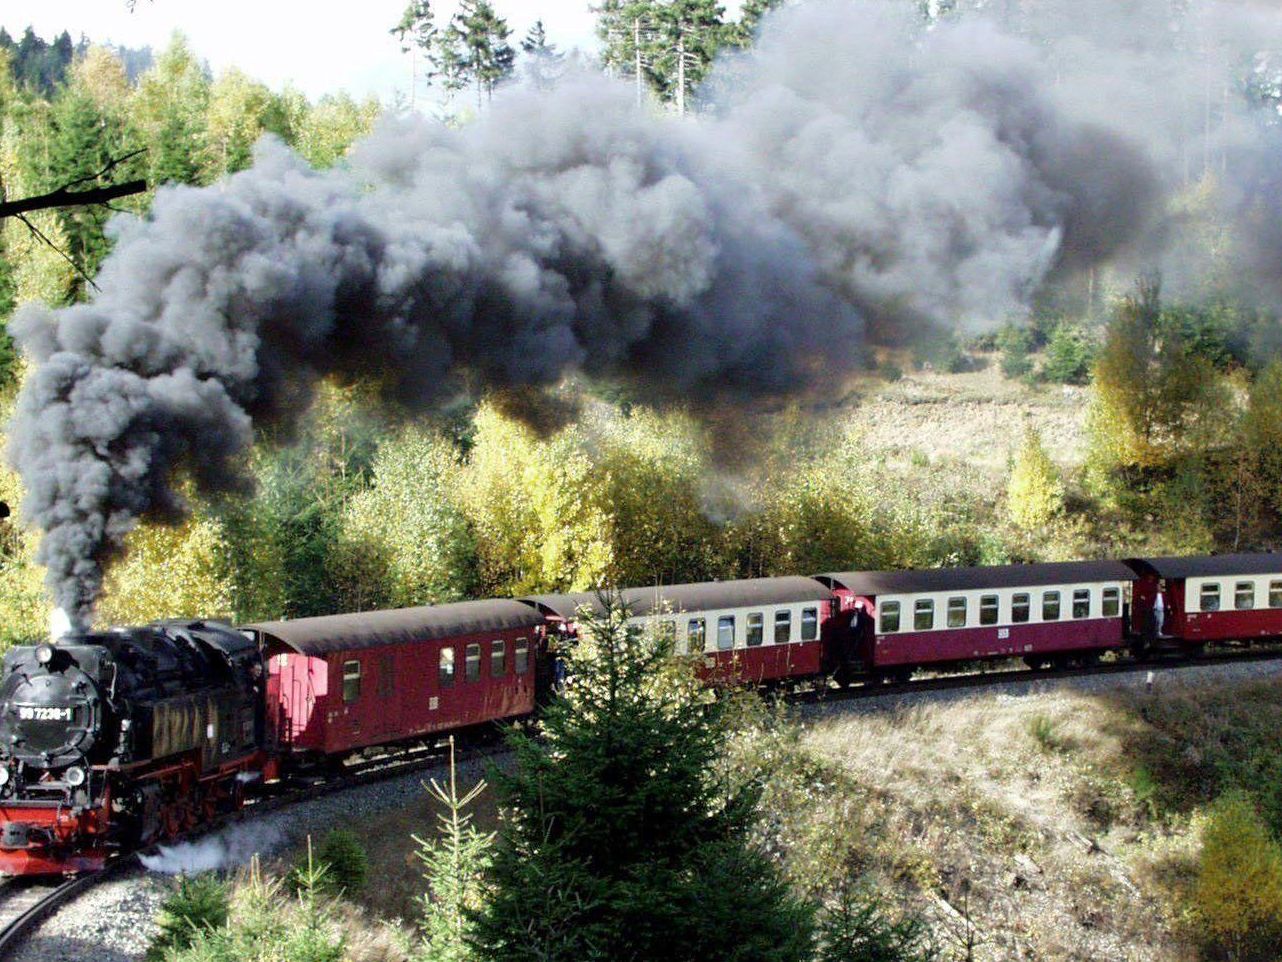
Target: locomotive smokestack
861,173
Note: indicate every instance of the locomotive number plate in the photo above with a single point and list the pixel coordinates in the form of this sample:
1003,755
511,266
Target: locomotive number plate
42,713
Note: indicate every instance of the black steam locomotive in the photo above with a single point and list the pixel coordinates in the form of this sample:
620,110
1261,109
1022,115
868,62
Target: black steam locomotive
123,737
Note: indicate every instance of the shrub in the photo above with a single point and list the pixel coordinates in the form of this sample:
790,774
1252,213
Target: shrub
1237,897
1015,343
263,925
1034,492
346,865
198,905
1015,365
1042,728
1069,356
892,372
856,927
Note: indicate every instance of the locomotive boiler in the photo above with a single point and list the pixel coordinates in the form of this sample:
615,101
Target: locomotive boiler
118,738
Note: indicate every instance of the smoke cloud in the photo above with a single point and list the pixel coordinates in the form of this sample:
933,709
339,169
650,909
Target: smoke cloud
226,848
856,175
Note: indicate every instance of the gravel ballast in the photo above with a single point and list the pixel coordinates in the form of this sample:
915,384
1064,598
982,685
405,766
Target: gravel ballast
115,921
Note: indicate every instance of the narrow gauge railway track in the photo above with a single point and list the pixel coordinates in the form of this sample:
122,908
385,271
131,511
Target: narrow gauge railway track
1003,676
367,771
25,903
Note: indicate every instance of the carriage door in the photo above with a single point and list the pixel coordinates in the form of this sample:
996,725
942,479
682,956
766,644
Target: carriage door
388,718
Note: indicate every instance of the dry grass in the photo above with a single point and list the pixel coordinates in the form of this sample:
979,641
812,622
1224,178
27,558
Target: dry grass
1041,818
975,418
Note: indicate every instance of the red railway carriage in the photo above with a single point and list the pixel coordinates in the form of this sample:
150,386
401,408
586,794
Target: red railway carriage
755,630
343,682
1040,612
1208,598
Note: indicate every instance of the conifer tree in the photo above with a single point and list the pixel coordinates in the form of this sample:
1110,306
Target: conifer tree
676,41
620,841
688,35
170,106
82,145
417,34
454,864
542,59
751,13
482,34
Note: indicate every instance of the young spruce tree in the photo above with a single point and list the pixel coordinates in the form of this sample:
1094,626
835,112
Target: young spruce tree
620,841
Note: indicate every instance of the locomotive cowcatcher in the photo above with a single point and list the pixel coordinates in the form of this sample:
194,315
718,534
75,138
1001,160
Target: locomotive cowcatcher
119,738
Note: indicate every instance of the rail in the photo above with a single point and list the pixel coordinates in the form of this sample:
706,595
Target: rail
25,903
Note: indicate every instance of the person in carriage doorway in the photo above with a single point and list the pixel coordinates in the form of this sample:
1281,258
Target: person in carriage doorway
1159,610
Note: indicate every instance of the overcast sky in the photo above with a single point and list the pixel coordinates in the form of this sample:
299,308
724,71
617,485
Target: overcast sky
317,47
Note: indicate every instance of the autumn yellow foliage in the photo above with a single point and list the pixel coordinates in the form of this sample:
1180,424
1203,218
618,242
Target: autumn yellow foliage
1034,491
1237,897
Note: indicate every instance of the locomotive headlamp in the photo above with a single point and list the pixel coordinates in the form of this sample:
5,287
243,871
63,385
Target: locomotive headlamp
75,777
44,653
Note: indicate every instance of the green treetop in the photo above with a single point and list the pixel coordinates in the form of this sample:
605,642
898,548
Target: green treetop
542,59
621,841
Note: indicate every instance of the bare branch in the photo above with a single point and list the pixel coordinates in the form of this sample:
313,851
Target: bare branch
62,197
65,256
111,164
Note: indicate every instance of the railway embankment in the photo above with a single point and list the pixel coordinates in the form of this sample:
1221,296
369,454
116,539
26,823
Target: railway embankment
1056,819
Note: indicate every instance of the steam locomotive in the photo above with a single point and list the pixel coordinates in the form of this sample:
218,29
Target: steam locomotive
115,739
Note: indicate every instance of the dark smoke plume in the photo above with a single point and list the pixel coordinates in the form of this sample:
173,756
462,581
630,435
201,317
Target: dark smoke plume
857,173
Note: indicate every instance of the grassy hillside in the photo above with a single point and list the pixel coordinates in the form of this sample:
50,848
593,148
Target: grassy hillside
974,417
1060,827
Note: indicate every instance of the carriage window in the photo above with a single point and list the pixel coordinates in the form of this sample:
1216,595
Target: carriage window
446,672
1082,603
1244,595
1112,602
956,612
889,616
809,624
1050,606
498,659
522,656
988,607
696,634
1275,594
351,681
756,629
725,632
924,615
472,662
1210,598
1019,607
783,627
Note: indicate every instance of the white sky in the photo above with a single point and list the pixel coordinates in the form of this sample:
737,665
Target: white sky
318,47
